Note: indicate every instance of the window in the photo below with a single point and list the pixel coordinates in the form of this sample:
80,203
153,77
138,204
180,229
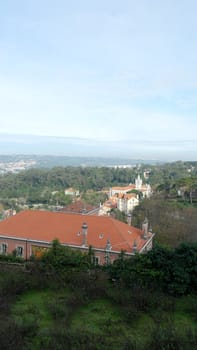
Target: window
19,251
3,248
96,260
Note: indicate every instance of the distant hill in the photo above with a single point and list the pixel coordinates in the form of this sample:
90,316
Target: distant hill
49,161
49,151
71,147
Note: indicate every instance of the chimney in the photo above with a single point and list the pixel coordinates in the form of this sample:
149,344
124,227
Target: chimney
145,228
134,246
84,234
107,252
129,218
108,245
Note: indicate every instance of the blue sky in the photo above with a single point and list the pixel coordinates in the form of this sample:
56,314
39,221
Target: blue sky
118,71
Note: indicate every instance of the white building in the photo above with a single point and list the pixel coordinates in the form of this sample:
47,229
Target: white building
72,192
145,189
126,201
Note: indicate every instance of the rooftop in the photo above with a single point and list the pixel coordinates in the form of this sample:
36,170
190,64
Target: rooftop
45,226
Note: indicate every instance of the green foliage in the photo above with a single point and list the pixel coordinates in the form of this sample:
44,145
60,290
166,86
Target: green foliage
35,186
135,303
12,258
119,215
61,258
183,190
94,198
168,336
172,271
10,335
139,193
171,222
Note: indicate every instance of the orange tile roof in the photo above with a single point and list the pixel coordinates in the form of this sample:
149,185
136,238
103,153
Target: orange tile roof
123,188
78,207
126,195
46,226
110,204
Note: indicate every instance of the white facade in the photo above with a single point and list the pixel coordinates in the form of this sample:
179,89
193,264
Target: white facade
72,192
127,203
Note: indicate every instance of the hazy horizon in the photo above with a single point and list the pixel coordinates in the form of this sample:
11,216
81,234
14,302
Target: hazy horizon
79,147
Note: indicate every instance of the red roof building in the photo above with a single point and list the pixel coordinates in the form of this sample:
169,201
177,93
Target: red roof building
79,207
31,231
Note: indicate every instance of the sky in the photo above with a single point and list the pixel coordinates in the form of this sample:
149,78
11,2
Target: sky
113,71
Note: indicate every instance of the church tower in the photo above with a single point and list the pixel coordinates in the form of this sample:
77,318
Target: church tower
138,183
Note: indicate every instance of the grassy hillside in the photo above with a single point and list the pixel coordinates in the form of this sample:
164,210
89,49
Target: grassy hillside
48,320
59,302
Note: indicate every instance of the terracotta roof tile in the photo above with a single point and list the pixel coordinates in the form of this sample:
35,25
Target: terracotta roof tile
78,207
123,188
46,226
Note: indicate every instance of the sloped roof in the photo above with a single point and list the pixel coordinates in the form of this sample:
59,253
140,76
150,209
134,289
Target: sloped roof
45,226
123,188
78,207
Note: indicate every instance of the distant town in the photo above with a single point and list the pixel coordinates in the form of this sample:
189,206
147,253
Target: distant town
17,163
16,166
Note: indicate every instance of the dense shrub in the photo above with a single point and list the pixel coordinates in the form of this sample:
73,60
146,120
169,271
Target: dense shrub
170,338
171,271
